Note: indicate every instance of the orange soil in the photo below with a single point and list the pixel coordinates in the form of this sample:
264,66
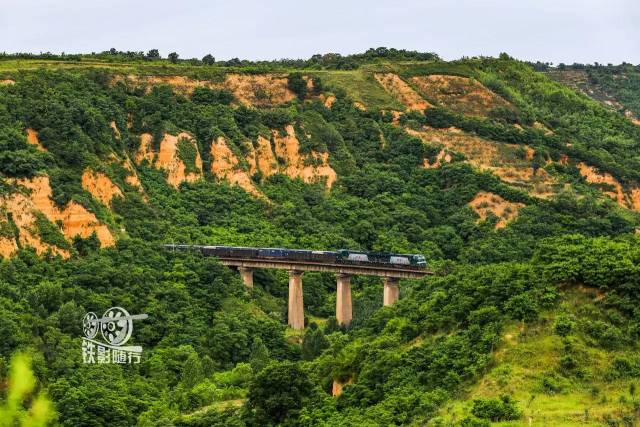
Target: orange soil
442,157
263,158
248,89
144,150
132,178
634,198
328,100
360,106
310,85
224,165
461,94
485,203
7,82
499,158
74,218
402,91
287,147
116,131
100,186
541,126
337,387
592,176
32,138
167,157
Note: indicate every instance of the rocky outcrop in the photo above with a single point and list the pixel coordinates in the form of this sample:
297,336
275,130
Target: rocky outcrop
400,90
280,154
7,82
167,157
225,165
100,186
22,207
311,167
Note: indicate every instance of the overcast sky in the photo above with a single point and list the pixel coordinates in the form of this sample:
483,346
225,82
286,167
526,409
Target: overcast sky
548,30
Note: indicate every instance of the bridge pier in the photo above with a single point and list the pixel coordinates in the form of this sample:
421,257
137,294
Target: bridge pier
343,299
296,305
391,291
247,276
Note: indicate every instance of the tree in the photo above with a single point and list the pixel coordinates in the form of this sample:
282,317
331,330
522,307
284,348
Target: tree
313,344
192,371
277,394
208,59
84,246
503,409
298,85
259,355
173,57
153,54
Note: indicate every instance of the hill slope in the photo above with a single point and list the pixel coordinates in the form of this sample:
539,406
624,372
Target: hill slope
521,193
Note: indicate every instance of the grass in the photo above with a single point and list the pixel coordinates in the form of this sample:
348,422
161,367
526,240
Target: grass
361,86
526,356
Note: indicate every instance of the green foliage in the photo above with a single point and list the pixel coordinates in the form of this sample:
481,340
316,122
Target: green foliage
84,246
204,95
21,387
278,392
49,233
563,326
187,152
503,409
297,85
621,81
209,344
259,355
314,343
17,157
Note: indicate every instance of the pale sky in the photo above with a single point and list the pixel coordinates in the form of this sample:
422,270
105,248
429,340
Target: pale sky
549,30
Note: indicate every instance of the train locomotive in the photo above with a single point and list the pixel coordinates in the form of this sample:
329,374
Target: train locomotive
341,256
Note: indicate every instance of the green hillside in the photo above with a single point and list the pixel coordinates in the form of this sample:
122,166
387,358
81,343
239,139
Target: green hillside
522,193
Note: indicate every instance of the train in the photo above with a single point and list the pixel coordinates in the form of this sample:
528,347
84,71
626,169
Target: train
341,256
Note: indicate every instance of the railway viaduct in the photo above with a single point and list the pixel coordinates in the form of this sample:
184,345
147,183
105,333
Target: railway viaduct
391,276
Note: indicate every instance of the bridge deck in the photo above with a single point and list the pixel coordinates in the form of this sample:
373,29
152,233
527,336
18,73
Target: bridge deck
401,273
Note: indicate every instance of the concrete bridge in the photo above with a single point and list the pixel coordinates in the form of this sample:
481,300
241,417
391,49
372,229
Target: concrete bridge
391,275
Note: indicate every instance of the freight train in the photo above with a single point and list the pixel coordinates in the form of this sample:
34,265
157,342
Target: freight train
341,256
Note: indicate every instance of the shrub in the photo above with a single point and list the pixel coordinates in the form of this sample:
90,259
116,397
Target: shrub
298,85
563,326
474,422
204,95
503,409
188,153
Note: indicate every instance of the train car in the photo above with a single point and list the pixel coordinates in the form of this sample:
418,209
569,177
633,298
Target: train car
342,256
297,255
397,260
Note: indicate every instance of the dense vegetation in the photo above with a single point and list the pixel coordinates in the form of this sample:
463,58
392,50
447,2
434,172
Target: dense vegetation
217,354
333,61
